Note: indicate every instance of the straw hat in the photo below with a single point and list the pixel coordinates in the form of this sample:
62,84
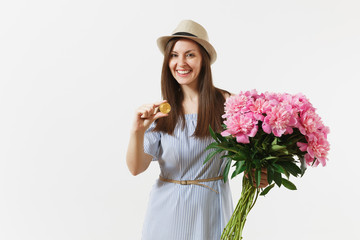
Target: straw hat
191,30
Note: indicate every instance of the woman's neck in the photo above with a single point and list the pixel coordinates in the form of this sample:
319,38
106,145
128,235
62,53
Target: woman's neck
190,102
190,94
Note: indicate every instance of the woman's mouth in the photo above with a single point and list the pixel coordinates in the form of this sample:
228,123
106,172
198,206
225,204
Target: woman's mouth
183,72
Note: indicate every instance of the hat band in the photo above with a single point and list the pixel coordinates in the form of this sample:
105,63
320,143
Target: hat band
184,34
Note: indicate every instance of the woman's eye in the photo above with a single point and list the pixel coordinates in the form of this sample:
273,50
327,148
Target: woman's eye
173,55
190,55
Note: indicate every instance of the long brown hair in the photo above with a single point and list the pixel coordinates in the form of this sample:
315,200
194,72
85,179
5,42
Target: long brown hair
211,99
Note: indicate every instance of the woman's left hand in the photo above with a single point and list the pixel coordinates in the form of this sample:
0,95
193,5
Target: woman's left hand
263,182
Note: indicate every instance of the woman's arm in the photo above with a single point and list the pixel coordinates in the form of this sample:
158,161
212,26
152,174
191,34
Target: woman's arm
136,159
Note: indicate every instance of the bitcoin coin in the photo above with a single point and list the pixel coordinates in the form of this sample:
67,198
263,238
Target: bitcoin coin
165,107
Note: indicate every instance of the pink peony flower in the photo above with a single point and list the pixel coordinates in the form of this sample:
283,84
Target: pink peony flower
241,126
259,107
318,148
236,104
252,94
309,160
310,122
301,103
279,120
324,130
302,146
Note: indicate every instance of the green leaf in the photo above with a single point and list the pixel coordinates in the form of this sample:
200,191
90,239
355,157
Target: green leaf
236,158
270,157
226,156
226,170
270,174
288,184
267,189
292,168
240,167
258,177
277,178
211,155
211,145
277,147
252,155
225,148
213,135
286,158
221,138
278,168
286,173
302,166
240,156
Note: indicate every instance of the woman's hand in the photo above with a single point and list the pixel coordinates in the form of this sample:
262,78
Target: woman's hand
146,114
263,182
137,160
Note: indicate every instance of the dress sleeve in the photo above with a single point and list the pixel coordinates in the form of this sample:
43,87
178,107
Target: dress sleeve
152,142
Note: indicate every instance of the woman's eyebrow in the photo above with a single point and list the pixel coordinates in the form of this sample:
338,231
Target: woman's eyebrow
185,52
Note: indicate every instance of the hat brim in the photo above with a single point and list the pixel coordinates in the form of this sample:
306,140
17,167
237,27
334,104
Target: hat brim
162,41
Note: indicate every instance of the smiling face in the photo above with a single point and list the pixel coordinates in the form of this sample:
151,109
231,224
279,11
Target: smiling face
185,62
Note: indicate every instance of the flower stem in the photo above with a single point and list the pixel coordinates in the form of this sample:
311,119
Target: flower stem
235,226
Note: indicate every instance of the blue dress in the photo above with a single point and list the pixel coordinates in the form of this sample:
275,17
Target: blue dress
185,212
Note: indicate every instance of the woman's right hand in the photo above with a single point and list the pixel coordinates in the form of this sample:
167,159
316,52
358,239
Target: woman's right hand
146,114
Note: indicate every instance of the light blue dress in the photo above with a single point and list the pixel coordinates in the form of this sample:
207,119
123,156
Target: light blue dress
185,212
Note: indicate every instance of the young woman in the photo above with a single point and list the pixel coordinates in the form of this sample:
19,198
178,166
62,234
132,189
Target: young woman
189,200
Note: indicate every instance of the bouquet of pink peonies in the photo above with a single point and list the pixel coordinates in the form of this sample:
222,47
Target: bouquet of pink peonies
277,133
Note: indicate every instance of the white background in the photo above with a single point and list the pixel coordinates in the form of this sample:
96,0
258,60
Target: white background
73,72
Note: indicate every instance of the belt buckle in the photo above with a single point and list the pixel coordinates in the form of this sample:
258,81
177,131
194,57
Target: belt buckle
183,182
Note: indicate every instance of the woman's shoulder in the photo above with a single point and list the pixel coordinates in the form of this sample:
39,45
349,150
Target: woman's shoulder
227,94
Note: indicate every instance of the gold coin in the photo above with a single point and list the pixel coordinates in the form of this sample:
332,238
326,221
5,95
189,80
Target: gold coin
165,107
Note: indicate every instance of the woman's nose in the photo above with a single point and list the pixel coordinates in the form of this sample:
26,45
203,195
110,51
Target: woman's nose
181,60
